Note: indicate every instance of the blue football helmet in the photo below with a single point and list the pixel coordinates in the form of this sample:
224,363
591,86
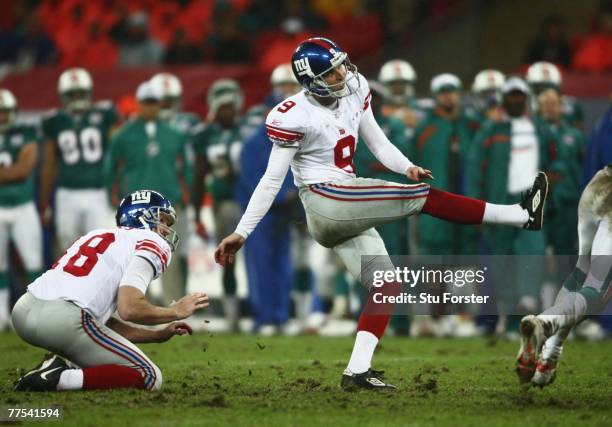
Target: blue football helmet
317,56
145,209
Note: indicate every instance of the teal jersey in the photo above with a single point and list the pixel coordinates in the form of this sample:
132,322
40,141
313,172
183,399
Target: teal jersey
184,123
572,111
81,142
11,144
221,151
567,164
148,155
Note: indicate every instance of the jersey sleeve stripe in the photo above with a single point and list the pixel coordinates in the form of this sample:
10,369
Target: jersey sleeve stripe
284,132
155,249
152,245
366,104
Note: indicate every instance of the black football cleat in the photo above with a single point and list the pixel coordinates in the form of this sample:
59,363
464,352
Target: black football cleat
369,380
44,377
534,202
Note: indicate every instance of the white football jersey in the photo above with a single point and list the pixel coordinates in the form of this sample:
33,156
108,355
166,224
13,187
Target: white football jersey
91,270
325,137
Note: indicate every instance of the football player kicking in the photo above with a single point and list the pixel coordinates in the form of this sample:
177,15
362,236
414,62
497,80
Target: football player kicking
68,309
315,132
585,291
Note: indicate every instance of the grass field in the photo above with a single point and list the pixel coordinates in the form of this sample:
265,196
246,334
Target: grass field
247,380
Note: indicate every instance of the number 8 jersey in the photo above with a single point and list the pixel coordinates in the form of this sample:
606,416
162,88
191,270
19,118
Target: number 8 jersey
90,272
325,137
80,142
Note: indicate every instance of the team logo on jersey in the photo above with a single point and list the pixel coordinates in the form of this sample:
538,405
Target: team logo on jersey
303,67
141,197
95,119
152,149
568,140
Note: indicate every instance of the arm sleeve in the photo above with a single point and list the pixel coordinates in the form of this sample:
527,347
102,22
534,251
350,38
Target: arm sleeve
267,189
378,143
156,251
138,274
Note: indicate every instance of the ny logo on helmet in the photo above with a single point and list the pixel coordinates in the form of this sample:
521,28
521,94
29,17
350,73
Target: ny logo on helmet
303,67
141,197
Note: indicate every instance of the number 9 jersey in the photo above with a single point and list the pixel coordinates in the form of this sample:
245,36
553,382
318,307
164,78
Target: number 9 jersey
92,269
325,137
81,141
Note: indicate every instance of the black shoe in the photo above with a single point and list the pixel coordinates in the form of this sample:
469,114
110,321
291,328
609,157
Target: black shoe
44,377
369,380
534,202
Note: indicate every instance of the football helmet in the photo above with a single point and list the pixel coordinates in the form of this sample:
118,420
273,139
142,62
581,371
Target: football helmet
316,56
172,91
75,89
224,91
283,82
8,103
487,81
399,77
543,75
145,209
487,88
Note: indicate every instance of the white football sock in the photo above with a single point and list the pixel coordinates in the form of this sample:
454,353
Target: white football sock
567,313
513,215
71,379
363,350
303,304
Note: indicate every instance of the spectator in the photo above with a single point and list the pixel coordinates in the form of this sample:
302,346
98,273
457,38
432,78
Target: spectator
29,46
182,51
550,44
226,44
139,48
148,153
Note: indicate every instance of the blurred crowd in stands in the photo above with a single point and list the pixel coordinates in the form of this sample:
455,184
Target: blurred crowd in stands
88,156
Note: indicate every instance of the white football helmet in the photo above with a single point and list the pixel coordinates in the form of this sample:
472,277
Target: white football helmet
75,89
543,75
224,91
488,81
399,77
283,81
172,89
7,103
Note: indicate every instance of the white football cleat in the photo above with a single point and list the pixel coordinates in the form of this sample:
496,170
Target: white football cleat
532,340
548,361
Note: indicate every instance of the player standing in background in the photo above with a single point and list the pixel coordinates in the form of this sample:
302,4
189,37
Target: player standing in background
19,220
172,93
217,144
315,132
486,91
441,143
76,139
68,310
545,75
566,174
268,253
399,78
505,156
585,291
147,152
